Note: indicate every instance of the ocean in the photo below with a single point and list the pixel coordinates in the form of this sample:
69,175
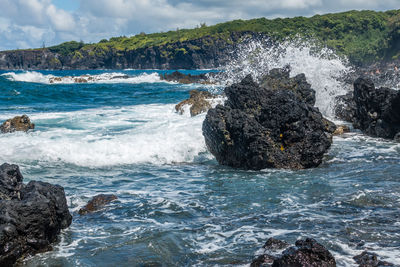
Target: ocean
176,205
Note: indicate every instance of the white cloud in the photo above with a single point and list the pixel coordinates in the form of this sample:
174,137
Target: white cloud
27,23
60,19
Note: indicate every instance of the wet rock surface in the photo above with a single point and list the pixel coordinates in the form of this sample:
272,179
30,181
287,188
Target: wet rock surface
18,123
341,129
31,215
345,107
96,203
306,252
376,112
179,77
369,259
278,79
199,102
263,127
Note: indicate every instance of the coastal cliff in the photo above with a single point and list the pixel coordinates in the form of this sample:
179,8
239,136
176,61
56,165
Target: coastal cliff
205,52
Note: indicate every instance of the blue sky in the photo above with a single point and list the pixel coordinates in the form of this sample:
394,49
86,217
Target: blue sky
30,23
69,5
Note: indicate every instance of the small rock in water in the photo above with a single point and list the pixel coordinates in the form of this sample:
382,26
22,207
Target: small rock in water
199,102
305,253
263,127
369,259
31,215
273,244
96,203
341,129
179,77
18,123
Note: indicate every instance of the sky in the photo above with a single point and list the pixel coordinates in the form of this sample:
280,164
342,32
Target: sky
34,23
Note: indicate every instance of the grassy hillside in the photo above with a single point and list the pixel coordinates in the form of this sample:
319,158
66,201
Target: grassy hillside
363,36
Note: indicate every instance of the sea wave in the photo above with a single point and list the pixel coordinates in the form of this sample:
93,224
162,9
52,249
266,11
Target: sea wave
153,134
108,77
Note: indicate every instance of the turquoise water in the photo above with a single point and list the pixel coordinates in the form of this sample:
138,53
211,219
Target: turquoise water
176,206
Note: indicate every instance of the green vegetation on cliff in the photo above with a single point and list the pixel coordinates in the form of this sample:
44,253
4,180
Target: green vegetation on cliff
363,36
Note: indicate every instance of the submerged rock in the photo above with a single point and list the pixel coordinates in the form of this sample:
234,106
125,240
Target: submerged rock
263,127
18,123
306,252
96,203
369,259
199,102
31,216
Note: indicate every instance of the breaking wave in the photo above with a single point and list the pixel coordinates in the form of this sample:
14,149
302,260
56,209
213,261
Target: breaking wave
322,67
110,77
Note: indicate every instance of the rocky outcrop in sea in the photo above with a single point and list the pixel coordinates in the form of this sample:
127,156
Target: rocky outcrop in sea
18,123
198,102
97,202
307,252
271,124
31,215
376,112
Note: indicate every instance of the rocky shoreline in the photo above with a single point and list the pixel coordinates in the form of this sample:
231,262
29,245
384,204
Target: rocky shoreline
31,215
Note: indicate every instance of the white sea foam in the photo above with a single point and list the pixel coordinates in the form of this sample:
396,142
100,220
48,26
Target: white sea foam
322,69
108,77
106,137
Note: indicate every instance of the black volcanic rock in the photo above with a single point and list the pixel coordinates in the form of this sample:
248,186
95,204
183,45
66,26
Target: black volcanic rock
180,77
377,110
369,259
18,123
273,244
97,202
31,216
345,107
263,127
306,252
278,79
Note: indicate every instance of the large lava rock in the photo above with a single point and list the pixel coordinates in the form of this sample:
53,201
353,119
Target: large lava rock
268,126
18,123
306,252
377,110
31,216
